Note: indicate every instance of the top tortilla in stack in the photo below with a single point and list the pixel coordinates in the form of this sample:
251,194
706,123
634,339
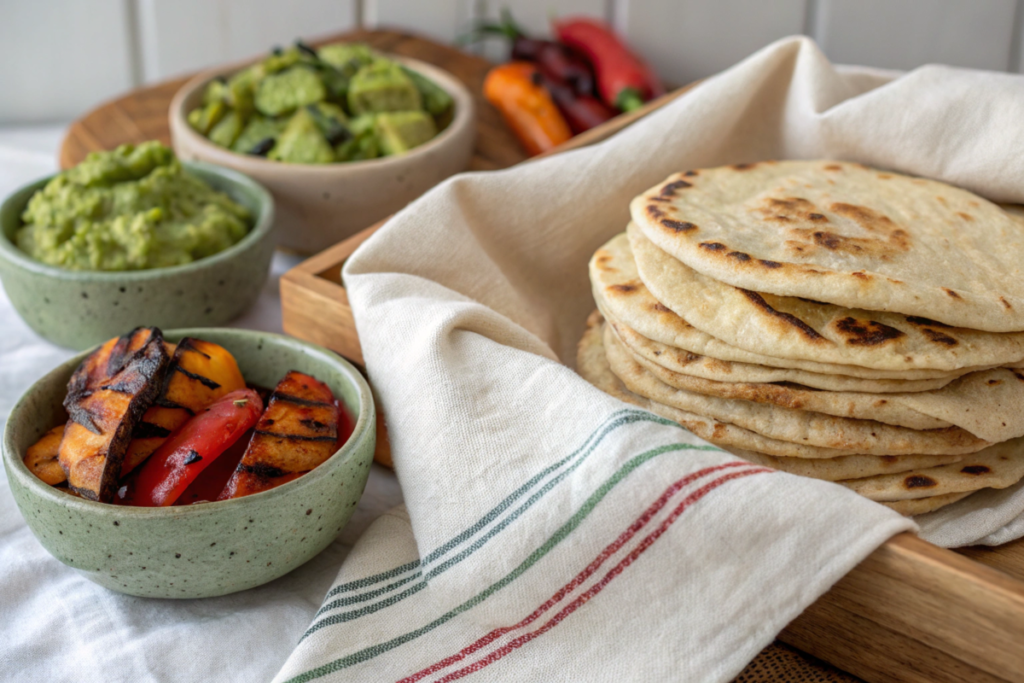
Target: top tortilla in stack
845,234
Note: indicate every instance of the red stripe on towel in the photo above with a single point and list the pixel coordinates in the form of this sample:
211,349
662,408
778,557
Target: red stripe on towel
610,550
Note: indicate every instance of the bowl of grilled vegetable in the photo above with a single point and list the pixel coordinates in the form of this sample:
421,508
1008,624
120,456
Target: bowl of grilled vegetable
191,463
340,134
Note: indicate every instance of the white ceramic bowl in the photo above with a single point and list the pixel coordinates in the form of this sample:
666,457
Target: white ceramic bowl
319,205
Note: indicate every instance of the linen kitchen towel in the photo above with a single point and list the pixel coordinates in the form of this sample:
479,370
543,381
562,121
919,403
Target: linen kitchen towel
550,531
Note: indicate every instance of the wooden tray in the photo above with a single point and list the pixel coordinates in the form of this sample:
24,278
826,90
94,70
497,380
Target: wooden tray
910,612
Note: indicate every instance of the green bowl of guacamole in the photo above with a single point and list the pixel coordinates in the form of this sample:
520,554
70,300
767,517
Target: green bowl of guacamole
134,237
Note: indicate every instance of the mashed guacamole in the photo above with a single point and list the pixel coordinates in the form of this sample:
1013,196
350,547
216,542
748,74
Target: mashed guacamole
130,209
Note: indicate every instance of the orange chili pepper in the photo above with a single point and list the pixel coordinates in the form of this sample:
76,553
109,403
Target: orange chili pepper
528,109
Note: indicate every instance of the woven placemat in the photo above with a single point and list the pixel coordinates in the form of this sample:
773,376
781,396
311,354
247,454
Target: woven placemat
779,663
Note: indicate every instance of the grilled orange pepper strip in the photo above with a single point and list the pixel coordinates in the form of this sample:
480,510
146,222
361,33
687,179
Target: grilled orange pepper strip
528,109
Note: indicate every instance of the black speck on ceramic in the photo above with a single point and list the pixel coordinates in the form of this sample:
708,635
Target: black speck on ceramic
78,309
205,549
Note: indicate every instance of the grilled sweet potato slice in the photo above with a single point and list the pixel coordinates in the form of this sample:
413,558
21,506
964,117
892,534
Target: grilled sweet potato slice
200,372
297,432
104,406
41,457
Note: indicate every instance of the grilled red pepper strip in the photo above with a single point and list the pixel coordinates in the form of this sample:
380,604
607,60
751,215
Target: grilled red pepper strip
190,449
623,79
526,106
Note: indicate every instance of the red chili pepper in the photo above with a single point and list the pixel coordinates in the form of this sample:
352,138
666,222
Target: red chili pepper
581,112
623,79
566,65
191,449
559,60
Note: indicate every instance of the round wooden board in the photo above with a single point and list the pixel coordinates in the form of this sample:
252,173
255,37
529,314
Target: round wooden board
142,114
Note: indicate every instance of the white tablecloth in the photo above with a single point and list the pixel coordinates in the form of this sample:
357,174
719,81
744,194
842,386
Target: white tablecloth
241,637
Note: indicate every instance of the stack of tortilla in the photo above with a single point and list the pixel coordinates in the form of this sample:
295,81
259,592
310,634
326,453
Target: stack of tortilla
825,319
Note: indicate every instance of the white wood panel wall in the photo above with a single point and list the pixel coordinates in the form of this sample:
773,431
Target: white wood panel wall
63,57
689,39
903,34
177,36
52,67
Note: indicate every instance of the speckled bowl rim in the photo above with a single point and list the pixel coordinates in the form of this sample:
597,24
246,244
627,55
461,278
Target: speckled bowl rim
453,86
365,421
263,224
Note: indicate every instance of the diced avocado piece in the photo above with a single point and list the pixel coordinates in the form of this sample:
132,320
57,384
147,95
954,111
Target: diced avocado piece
227,129
436,99
363,123
382,86
359,147
330,110
205,118
335,82
289,90
240,95
400,131
331,120
216,91
347,57
280,60
255,132
302,142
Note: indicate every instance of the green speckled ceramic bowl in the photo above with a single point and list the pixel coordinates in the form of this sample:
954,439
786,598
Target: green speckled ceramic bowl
79,309
205,549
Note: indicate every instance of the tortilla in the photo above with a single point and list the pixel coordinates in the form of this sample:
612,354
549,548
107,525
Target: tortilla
789,327
920,506
988,404
592,364
845,234
796,426
622,296
995,467
709,368
846,467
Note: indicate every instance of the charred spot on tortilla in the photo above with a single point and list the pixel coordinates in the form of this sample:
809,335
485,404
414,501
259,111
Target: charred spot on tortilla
792,320
678,226
939,337
975,469
624,288
917,320
919,481
866,332
671,188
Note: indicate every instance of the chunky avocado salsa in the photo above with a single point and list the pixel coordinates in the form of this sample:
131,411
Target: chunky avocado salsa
341,102
133,208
